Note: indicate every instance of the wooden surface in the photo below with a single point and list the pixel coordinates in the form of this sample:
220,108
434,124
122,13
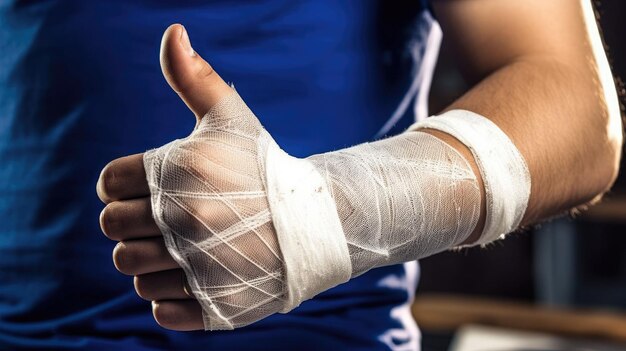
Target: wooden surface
448,313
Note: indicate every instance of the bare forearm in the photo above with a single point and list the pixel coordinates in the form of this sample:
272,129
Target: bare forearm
556,116
559,107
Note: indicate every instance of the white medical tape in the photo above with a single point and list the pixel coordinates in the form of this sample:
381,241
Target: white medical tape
309,231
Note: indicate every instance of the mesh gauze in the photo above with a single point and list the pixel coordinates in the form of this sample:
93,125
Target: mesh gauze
402,198
504,172
397,200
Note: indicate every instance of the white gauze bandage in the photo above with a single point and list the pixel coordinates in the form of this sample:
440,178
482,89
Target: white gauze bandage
504,172
211,194
258,231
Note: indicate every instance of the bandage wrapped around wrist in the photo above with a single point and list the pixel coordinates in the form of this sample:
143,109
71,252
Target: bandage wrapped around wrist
258,231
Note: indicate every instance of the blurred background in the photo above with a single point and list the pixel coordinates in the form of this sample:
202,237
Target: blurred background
565,278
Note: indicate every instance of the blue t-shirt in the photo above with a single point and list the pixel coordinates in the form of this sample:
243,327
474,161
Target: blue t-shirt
80,85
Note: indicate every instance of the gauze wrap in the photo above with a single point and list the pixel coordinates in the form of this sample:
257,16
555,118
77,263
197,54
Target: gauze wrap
218,197
258,231
503,169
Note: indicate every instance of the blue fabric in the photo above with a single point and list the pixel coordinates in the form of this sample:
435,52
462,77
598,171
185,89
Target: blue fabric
80,85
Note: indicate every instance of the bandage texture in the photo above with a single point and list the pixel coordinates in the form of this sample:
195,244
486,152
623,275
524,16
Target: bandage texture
401,198
258,231
503,169
209,200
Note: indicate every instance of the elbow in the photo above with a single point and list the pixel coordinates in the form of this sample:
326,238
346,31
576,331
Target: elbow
614,143
602,134
613,131
608,156
602,167
607,107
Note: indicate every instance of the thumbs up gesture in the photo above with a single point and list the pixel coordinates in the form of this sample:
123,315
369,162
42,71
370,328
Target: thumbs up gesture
213,246
223,228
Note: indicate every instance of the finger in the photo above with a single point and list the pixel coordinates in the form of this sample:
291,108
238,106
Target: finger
128,219
135,257
188,74
180,315
164,285
123,178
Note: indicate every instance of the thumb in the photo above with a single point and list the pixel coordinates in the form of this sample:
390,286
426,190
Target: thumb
188,74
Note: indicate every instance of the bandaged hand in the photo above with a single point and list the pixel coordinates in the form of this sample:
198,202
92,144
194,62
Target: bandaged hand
256,231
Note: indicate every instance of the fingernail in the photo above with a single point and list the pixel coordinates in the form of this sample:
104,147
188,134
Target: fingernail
184,41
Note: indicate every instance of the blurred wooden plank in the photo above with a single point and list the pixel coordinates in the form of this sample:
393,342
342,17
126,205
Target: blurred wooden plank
481,338
447,313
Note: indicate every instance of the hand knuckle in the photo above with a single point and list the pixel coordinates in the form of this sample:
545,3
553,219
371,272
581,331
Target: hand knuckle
206,71
124,258
141,288
166,316
110,221
107,182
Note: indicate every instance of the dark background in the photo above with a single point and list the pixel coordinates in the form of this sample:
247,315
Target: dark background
569,262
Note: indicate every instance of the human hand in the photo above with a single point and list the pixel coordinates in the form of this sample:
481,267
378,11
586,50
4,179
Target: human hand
221,156
336,215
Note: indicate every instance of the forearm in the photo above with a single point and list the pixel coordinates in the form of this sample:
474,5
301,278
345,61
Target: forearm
258,231
564,120
557,116
547,84
403,198
467,154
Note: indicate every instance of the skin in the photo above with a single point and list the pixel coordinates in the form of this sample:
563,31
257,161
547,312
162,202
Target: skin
540,76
